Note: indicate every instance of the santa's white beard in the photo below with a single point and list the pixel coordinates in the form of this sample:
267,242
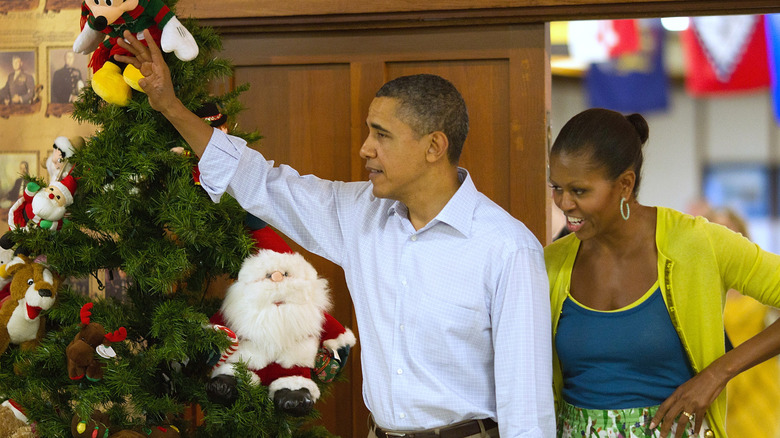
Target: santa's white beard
47,208
250,311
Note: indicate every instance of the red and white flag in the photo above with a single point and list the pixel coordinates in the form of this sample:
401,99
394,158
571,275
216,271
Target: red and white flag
725,54
595,41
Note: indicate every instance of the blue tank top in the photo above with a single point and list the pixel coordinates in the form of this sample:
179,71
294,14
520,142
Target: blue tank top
626,358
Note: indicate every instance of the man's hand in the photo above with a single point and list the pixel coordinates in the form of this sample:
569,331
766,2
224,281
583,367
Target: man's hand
157,83
158,86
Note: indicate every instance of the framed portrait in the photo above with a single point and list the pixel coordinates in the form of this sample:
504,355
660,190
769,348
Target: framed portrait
17,5
12,166
20,92
58,5
68,73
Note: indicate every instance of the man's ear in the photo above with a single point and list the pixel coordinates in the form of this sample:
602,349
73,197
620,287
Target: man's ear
438,145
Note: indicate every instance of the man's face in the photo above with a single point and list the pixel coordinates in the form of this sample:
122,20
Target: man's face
16,62
57,158
395,155
69,58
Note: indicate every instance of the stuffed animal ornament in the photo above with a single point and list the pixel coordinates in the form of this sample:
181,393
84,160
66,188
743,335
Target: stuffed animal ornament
33,289
40,207
13,421
277,311
90,341
99,426
101,18
6,255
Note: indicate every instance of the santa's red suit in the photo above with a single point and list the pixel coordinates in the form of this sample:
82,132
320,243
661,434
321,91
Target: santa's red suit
23,212
293,371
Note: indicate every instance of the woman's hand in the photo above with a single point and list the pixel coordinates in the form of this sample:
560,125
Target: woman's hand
689,403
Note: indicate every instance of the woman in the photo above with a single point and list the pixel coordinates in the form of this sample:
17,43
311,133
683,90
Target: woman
638,292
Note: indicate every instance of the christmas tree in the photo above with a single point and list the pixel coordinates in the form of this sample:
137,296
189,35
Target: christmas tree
137,211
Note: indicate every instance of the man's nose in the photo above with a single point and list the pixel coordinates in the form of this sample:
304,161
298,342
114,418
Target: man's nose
366,150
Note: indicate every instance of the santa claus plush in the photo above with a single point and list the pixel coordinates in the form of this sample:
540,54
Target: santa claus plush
41,207
277,310
45,207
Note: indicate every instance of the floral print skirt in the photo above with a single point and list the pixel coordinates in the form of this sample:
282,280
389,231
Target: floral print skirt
619,423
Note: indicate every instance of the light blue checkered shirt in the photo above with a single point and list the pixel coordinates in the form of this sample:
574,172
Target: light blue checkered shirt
454,318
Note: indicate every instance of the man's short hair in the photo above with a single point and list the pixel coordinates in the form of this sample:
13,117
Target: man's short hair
429,103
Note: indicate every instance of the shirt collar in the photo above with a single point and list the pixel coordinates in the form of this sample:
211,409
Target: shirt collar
459,211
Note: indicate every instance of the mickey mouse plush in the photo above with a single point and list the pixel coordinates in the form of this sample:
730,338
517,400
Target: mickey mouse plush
112,17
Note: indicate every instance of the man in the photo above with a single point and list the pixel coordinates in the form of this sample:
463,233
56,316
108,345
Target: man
449,290
19,87
18,187
66,81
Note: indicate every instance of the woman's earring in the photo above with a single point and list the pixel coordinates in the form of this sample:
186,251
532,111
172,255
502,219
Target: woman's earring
624,212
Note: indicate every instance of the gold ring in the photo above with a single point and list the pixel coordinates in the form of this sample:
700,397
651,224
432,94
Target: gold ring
690,416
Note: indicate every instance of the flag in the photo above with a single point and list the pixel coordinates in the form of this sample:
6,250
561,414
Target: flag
725,54
772,23
632,82
601,40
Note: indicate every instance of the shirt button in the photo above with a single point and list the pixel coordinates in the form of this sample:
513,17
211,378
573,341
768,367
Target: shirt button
402,327
403,282
414,238
400,371
401,415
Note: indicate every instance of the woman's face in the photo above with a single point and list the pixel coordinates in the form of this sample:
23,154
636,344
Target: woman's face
581,189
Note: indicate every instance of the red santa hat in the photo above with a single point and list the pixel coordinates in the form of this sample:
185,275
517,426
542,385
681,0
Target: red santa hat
264,236
68,187
68,145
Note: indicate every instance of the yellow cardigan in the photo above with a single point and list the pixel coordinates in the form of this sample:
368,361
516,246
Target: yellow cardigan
698,262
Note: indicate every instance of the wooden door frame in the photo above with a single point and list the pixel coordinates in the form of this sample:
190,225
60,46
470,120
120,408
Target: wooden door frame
241,16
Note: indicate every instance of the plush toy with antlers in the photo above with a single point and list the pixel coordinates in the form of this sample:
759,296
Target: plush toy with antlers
91,340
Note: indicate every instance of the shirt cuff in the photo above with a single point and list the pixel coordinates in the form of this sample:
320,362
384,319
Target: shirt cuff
219,163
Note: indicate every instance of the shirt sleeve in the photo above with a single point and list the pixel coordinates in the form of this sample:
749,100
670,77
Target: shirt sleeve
304,208
523,347
745,266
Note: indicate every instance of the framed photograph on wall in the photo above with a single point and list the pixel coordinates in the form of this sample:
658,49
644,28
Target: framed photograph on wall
58,5
12,166
67,73
17,5
19,89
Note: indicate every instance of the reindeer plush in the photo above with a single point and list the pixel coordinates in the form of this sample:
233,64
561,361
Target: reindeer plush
90,340
33,289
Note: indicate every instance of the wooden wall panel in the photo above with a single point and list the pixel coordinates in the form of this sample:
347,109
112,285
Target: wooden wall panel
309,98
304,123
303,112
